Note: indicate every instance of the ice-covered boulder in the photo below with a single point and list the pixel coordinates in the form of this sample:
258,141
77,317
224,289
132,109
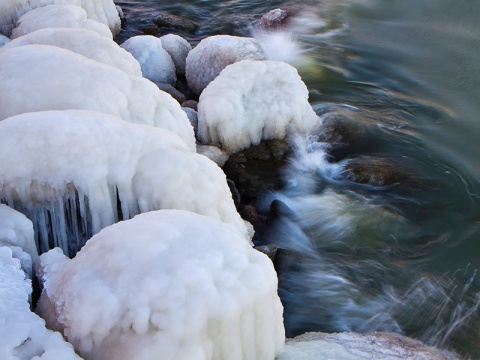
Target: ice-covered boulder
23,334
170,285
42,77
74,172
84,42
352,346
251,101
102,11
16,233
178,49
3,40
214,53
58,16
156,63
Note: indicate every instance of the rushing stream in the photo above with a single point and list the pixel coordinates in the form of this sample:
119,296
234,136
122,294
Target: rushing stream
404,76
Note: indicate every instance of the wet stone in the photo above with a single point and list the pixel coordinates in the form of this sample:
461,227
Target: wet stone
278,18
149,29
176,22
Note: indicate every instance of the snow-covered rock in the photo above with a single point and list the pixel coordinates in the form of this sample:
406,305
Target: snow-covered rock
16,233
42,77
156,63
353,346
58,16
102,11
169,284
100,169
84,42
214,153
251,101
3,40
178,49
214,53
23,335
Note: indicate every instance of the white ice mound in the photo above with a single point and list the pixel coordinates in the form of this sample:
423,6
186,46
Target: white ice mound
214,53
251,101
84,42
23,335
170,285
42,77
352,346
58,16
102,11
16,233
156,63
178,49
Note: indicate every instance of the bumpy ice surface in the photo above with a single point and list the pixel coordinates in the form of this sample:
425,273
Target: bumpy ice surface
84,42
42,77
103,11
23,335
168,284
214,53
178,49
251,101
156,63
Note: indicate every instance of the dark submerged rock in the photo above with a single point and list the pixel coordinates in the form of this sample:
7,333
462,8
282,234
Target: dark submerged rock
149,29
175,22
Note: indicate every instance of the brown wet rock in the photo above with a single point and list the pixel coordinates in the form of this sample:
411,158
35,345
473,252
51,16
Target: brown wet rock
175,22
149,29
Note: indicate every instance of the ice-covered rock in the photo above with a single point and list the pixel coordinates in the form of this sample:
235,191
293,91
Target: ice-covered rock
74,172
251,101
214,153
353,346
102,11
23,334
58,16
16,233
214,53
3,40
178,49
156,63
84,42
169,284
42,77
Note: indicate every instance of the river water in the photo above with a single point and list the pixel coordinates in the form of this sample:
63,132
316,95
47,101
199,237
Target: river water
400,256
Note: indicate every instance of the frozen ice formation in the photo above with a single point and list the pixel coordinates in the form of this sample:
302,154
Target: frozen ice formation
74,172
214,53
178,49
84,42
23,334
57,16
3,40
251,101
352,346
102,11
16,233
76,82
156,63
169,283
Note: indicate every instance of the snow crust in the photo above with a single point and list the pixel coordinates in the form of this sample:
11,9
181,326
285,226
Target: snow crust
23,334
251,101
156,63
214,53
168,283
102,11
84,42
57,16
178,49
76,82
78,162
16,233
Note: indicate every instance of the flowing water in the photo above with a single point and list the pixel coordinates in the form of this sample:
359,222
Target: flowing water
400,255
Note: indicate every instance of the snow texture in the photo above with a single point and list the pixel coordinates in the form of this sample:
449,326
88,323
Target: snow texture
23,334
57,16
78,162
76,82
178,49
3,40
84,42
251,101
16,233
102,11
352,346
156,63
170,285
214,53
